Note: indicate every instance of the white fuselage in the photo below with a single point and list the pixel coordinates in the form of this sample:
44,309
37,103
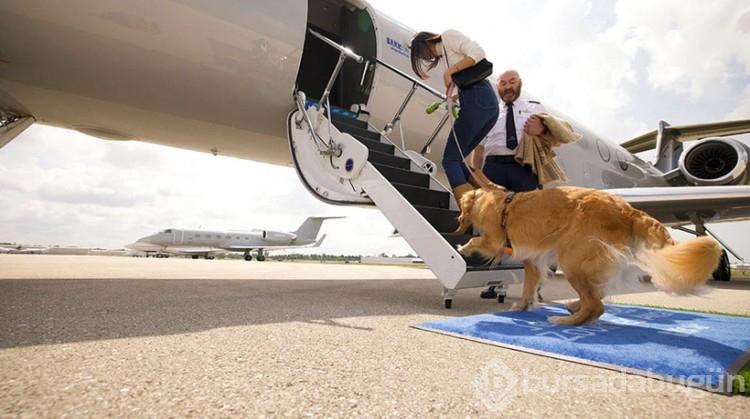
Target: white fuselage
219,77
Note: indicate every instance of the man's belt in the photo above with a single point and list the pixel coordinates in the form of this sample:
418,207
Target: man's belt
501,159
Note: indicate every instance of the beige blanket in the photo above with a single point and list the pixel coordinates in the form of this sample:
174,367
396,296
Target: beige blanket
538,153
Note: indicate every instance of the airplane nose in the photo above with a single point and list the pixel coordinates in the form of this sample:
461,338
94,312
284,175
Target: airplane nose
147,239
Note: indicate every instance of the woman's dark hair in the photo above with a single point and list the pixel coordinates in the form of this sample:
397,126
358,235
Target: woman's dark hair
421,53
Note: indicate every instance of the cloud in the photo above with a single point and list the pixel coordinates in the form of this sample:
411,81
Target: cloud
692,46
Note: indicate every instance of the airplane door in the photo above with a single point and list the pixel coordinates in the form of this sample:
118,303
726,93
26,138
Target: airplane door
178,236
349,24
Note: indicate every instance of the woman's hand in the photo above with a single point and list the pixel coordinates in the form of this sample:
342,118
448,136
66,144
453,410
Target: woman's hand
447,79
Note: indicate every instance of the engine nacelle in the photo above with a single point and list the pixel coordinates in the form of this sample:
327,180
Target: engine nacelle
715,161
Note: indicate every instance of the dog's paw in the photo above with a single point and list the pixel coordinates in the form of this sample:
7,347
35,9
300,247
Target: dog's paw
464,249
522,306
559,320
574,306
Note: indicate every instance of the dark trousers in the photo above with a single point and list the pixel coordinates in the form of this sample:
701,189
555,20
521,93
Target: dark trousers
478,114
511,175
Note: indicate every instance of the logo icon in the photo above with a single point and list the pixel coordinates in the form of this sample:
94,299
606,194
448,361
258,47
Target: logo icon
496,385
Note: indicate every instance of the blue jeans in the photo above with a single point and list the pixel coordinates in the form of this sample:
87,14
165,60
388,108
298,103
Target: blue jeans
478,114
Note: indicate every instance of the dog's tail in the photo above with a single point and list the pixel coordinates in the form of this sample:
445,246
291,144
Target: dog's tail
680,267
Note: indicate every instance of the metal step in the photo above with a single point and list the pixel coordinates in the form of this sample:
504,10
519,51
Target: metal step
384,159
346,117
403,176
444,220
424,197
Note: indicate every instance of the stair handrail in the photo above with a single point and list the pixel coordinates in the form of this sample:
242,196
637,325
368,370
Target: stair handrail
415,84
344,53
348,53
323,147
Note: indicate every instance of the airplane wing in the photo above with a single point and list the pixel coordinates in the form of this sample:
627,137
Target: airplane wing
676,205
193,250
240,248
683,133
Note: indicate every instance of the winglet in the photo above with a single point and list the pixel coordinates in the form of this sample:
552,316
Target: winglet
683,133
320,240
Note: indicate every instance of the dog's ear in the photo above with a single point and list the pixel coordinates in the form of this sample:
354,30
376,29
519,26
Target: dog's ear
467,204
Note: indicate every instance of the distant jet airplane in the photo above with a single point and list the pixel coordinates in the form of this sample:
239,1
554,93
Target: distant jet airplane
197,243
140,248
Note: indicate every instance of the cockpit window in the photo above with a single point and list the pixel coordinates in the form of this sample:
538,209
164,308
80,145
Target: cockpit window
169,230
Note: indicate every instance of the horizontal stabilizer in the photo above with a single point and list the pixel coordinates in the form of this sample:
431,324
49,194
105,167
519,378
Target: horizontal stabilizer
683,133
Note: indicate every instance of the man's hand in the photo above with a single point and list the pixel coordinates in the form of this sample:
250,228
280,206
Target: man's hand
534,126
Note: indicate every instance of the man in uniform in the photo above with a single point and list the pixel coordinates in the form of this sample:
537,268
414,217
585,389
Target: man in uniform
495,155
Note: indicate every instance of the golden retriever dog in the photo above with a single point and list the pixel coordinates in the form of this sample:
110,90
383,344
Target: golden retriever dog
593,235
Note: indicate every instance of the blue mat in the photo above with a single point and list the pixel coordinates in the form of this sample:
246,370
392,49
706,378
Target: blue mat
695,349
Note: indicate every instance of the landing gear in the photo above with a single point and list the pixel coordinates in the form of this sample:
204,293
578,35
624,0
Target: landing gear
261,258
723,272
248,256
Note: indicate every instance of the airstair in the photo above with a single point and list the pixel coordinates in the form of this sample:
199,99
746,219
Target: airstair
342,159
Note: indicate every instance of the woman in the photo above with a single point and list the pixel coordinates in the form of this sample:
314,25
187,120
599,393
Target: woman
479,106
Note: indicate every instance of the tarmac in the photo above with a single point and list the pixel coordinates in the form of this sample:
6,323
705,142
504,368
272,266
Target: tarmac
99,336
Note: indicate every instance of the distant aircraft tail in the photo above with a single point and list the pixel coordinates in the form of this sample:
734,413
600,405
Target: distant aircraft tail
308,231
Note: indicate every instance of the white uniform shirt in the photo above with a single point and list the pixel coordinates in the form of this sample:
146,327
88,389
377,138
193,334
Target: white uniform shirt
495,141
457,46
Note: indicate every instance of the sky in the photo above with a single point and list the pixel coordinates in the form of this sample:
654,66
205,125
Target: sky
617,67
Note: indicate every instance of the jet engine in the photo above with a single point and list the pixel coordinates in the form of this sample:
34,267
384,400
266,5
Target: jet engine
715,161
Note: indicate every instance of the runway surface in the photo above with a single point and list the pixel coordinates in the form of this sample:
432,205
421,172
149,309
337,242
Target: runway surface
102,336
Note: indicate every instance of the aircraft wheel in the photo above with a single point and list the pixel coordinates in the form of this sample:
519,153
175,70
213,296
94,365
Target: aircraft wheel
501,298
724,271
448,302
194,256
261,258
248,258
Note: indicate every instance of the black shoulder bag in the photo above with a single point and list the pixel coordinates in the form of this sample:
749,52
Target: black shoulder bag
472,75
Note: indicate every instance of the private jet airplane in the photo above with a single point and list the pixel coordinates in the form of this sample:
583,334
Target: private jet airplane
325,86
197,243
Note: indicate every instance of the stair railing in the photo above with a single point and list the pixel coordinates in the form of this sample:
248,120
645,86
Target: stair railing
416,84
346,53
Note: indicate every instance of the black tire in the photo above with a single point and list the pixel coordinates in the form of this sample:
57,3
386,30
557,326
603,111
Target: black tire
248,258
448,303
500,299
261,258
723,272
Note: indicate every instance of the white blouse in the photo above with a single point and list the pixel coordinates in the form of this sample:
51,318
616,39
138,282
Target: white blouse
457,46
